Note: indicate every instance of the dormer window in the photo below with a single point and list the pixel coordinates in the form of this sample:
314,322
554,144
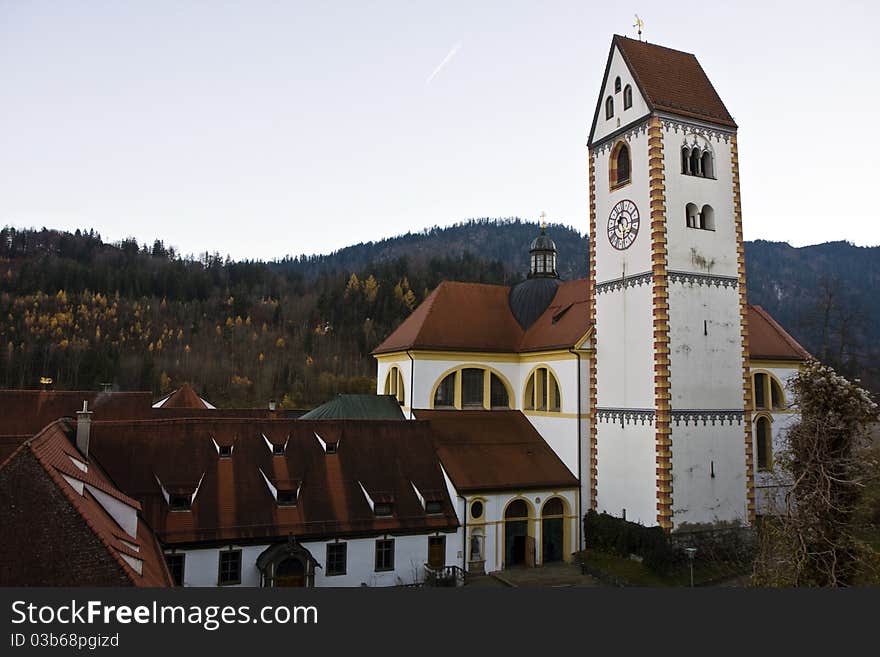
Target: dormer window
329,447
383,509
609,107
627,97
179,502
286,497
275,448
433,507
617,85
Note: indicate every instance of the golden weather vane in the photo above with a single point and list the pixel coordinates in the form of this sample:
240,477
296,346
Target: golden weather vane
639,24
543,220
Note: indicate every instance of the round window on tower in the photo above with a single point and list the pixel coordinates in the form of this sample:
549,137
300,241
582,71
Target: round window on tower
477,509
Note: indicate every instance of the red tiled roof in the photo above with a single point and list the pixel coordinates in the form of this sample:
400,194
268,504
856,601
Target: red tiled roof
25,412
183,397
769,341
90,544
477,317
673,81
495,450
233,501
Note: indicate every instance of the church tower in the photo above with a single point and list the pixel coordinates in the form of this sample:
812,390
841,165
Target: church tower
670,436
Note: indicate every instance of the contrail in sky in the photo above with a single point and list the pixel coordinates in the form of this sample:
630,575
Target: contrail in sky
442,64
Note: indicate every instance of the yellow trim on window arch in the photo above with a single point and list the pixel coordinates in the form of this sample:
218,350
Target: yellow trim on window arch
768,392
550,373
764,415
400,392
487,385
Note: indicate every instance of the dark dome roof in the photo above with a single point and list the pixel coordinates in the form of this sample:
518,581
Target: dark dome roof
542,243
529,299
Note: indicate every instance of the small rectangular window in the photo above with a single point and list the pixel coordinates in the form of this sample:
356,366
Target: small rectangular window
384,554
225,451
331,447
230,568
433,506
278,450
337,556
286,498
382,508
176,563
178,502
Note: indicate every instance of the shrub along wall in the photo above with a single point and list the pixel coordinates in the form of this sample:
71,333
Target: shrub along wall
618,536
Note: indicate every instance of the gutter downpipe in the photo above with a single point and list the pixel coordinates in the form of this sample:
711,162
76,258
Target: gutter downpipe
580,457
412,367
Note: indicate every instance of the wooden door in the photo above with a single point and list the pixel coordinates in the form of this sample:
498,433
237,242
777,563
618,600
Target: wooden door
437,551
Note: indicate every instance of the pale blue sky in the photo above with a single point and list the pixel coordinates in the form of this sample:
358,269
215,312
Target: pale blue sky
261,129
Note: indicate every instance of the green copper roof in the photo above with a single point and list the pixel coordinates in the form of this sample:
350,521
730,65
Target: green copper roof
357,407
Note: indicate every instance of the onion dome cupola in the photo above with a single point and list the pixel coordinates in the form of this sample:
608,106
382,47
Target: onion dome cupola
529,299
542,256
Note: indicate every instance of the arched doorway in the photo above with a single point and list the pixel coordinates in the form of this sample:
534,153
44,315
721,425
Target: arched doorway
290,573
287,564
553,531
519,547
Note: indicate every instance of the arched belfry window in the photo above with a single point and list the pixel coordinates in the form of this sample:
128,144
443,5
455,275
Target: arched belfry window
695,162
617,85
707,218
609,107
685,160
691,216
627,97
619,166
706,165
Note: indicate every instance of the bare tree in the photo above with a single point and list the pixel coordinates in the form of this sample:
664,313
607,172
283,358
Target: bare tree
816,539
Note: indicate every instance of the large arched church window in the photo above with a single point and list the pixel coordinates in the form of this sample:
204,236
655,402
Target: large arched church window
767,392
472,388
763,443
542,391
394,384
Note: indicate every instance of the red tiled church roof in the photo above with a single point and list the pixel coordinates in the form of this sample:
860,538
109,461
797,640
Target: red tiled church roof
494,450
477,317
769,341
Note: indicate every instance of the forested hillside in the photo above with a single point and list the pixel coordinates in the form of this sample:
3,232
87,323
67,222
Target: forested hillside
85,312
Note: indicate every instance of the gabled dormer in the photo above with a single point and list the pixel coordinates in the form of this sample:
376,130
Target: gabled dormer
643,78
621,101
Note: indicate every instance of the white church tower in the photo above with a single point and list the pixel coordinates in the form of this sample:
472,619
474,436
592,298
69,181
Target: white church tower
670,436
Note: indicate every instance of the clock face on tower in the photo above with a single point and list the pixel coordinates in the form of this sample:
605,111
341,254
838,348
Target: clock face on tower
623,225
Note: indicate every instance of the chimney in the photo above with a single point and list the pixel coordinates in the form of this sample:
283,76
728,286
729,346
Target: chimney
83,428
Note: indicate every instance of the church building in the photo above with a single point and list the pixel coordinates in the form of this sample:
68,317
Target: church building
653,380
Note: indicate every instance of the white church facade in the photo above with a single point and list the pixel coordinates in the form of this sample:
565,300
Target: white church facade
656,384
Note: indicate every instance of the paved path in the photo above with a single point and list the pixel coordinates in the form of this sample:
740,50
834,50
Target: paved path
551,575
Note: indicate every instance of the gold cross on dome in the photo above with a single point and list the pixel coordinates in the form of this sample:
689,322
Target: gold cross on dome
543,218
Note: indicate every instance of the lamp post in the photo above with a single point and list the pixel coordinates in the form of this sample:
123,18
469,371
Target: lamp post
691,551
